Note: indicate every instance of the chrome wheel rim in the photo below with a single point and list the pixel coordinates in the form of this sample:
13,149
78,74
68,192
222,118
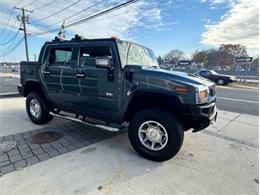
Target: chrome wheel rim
153,135
220,81
35,108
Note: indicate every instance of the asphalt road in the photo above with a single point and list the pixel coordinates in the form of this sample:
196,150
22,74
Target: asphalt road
244,101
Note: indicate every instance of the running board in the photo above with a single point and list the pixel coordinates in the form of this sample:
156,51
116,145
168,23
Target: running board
107,128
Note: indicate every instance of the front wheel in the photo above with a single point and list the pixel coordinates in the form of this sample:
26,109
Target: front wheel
37,108
156,134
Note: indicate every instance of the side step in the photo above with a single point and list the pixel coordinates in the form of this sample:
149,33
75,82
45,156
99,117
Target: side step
107,128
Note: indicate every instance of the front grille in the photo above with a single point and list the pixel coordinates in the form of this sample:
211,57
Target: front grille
212,91
209,110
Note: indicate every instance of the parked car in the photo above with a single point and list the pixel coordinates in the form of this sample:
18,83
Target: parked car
216,77
115,83
14,68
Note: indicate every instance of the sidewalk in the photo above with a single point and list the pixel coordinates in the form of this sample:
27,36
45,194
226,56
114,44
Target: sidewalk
222,159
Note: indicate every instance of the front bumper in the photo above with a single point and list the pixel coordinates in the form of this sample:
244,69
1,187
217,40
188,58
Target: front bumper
203,115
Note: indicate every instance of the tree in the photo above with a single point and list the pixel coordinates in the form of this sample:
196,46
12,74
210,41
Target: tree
174,56
218,58
236,50
200,57
160,60
256,62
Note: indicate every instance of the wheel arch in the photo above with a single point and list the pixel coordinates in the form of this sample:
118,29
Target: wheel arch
32,86
148,99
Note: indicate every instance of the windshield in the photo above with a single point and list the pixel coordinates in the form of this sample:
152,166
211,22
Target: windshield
134,54
213,72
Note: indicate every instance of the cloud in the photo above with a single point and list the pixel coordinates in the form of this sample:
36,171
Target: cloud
119,22
239,25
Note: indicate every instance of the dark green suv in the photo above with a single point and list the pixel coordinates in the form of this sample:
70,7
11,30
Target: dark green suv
111,84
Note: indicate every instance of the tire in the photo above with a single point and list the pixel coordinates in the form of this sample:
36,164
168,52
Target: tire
37,108
221,82
166,122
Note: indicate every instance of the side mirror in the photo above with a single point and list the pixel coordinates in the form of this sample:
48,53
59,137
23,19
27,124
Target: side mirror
103,62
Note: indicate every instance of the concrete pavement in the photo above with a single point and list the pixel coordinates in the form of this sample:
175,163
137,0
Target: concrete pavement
223,159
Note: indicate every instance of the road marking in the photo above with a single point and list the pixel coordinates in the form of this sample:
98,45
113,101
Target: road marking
231,99
241,89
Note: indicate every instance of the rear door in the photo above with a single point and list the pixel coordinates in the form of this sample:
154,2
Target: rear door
100,88
59,74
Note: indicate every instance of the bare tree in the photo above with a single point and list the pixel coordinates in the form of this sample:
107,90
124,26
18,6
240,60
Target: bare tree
174,55
200,57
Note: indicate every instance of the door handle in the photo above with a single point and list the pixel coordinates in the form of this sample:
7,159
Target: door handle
80,75
46,72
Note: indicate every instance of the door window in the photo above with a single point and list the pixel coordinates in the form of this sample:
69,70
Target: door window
205,73
60,56
89,54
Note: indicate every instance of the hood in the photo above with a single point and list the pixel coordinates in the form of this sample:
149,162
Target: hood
177,76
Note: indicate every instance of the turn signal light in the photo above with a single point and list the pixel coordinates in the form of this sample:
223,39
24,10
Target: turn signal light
181,89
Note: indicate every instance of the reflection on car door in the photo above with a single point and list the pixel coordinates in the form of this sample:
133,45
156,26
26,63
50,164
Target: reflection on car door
59,73
98,93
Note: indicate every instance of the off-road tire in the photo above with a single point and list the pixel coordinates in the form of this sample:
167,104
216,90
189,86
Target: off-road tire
44,115
171,124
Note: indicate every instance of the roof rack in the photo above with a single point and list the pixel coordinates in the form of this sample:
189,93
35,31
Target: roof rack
77,38
57,39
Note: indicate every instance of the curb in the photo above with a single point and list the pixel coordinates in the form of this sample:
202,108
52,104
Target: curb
7,95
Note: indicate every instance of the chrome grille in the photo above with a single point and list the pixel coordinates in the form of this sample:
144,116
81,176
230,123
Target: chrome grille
212,91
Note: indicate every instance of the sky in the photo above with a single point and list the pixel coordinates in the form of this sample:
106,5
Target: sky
160,25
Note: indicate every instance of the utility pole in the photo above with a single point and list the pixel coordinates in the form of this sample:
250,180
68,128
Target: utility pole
25,20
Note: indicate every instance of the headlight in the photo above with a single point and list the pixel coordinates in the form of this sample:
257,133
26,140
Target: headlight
202,95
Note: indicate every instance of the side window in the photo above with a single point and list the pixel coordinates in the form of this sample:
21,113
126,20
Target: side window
60,56
205,73
89,53
202,73
208,73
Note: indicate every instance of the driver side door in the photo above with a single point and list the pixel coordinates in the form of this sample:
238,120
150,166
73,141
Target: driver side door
100,87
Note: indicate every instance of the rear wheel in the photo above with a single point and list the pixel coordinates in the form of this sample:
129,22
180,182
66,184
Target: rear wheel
37,108
155,134
221,82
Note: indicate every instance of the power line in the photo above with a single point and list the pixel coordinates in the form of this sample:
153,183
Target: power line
45,5
91,17
58,11
71,16
12,38
7,22
19,2
101,13
32,2
13,48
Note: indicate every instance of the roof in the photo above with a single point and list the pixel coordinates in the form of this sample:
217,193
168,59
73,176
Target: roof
78,38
